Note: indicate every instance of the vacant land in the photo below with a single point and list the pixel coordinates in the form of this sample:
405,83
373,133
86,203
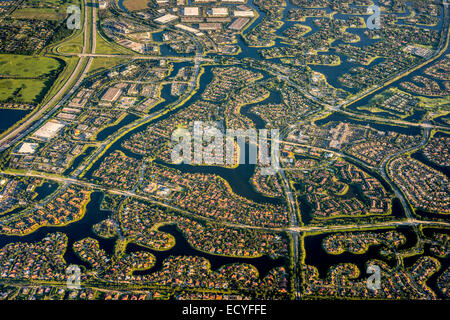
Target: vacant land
65,74
25,78
103,47
44,10
40,14
101,63
73,45
12,65
134,5
21,90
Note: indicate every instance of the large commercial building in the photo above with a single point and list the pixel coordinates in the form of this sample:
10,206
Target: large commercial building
191,11
218,12
166,18
238,24
244,13
49,130
112,95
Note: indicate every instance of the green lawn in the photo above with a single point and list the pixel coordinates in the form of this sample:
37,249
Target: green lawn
440,103
21,90
26,66
101,63
44,10
39,14
16,69
74,45
71,63
104,47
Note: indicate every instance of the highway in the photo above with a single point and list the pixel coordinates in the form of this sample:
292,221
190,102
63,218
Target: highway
87,56
140,57
65,181
443,45
442,48
383,168
294,223
79,73
103,147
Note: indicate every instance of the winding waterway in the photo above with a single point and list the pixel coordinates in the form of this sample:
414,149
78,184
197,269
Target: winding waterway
238,178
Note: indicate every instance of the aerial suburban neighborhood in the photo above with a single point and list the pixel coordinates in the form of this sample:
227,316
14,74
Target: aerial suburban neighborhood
333,117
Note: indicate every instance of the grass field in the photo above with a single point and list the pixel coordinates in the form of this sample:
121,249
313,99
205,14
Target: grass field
44,10
70,48
21,90
26,66
74,45
71,63
39,14
103,47
441,103
105,63
16,71
134,5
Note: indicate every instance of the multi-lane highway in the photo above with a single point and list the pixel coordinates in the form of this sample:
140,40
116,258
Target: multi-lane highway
37,118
